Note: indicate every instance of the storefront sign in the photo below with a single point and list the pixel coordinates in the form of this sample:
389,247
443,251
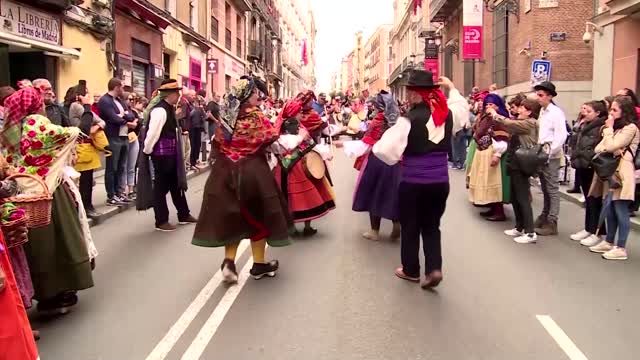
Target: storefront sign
432,65
232,67
27,22
472,29
540,71
212,66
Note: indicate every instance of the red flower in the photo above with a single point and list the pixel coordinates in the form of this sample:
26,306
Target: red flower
43,160
22,169
30,160
32,133
31,122
52,132
37,145
43,128
25,143
9,159
43,171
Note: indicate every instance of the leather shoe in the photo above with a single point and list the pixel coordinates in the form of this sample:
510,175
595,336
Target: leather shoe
431,280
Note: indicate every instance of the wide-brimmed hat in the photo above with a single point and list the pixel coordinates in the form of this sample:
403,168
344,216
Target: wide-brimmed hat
170,85
421,79
546,86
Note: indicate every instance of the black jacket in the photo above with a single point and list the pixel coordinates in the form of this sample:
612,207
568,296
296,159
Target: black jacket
418,141
588,138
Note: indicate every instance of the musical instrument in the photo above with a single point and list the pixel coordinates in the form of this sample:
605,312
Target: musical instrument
313,165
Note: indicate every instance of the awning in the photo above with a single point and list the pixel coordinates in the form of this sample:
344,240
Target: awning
143,12
50,49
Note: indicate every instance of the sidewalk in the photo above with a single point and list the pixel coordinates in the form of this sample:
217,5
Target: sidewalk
107,212
575,198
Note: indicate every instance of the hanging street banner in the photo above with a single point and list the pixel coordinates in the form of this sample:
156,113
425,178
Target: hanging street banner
472,29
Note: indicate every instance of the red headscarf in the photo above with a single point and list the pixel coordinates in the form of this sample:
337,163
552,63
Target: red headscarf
436,100
290,109
311,120
306,99
21,103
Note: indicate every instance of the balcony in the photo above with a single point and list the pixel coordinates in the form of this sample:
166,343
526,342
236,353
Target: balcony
256,51
440,10
55,5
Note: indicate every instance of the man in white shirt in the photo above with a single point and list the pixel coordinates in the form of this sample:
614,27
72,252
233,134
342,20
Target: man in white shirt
553,133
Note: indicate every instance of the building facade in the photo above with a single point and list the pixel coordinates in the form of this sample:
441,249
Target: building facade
376,66
616,40
56,40
264,42
515,36
227,56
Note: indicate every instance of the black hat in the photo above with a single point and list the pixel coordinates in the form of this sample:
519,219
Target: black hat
546,86
421,79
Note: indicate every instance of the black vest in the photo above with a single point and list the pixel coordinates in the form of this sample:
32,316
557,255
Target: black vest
170,126
418,142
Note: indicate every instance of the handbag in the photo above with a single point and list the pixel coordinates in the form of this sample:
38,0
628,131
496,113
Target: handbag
530,158
605,164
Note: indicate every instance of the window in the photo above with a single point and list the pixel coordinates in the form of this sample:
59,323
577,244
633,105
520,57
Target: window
166,65
227,15
193,14
238,25
501,46
227,39
171,7
227,83
238,47
214,28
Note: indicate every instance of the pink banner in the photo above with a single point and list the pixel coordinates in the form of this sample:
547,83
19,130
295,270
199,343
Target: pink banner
472,42
432,65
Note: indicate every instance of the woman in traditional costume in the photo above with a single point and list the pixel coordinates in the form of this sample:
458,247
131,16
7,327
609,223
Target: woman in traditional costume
16,338
241,197
58,253
308,198
377,186
488,180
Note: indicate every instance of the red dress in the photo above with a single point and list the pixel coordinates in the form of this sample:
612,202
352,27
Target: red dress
16,338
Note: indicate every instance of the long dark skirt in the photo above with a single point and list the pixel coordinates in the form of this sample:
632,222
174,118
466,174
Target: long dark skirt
242,201
57,253
377,189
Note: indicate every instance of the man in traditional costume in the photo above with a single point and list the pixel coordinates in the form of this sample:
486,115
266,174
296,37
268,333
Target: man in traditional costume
241,197
163,144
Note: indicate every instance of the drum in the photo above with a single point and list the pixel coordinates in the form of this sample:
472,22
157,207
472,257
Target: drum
313,165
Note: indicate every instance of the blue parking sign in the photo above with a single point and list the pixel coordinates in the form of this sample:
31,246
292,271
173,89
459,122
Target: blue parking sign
540,71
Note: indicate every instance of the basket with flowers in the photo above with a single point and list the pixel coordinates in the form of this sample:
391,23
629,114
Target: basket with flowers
14,224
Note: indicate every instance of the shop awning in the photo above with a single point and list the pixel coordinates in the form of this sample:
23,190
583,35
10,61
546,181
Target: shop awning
50,49
143,12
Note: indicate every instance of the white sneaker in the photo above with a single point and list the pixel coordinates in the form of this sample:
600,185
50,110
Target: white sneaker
580,235
526,238
617,253
513,232
601,248
591,240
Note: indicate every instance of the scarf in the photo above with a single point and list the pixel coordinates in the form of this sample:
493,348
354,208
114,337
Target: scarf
311,120
290,109
437,102
23,102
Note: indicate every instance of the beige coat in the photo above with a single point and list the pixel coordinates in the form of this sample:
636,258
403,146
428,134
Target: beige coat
618,142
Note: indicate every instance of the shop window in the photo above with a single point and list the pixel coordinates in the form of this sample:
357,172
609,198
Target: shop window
239,47
139,78
214,28
195,71
227,39
227,83
166,66
501,46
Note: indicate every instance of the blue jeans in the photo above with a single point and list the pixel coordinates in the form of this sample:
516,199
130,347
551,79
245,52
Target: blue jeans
618,220
128,176
115,164
460,142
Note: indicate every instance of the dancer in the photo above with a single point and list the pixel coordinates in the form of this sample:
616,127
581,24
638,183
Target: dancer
422,141
241,197
377,187
308,198
488,181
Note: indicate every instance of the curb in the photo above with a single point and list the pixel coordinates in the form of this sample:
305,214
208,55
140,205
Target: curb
635,222
115,210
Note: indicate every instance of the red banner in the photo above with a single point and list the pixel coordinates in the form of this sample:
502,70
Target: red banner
432,65
472,43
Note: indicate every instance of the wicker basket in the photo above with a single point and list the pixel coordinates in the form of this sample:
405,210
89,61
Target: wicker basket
37,206
15,232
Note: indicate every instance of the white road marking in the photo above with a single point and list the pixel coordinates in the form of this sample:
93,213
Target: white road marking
213,323
167,343
561,338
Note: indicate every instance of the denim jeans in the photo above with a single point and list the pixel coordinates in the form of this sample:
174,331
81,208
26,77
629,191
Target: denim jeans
550,189
115,166
128,176
460,142
618,220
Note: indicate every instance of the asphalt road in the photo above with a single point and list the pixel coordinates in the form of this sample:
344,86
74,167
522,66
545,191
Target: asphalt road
335,297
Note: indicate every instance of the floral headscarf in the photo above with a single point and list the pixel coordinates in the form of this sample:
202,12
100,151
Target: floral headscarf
23,102
306,98
240,93
290,109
